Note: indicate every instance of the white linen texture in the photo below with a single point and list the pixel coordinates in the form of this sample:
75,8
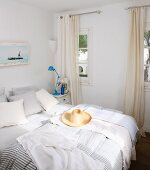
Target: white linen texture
12,113
58,152
46,100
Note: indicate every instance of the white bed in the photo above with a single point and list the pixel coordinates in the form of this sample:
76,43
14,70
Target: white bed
117,150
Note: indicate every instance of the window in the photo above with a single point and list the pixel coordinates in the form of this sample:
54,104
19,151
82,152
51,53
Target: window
83,54
83,57
147,55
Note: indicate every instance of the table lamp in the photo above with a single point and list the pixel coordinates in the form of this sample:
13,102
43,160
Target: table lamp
52,68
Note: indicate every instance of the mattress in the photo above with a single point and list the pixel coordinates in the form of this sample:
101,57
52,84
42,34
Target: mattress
8,135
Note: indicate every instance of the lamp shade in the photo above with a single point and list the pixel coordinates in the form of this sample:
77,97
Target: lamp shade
51,68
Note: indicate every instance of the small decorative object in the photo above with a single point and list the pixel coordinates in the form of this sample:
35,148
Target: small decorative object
51,68
64,81
62,89
14,53
76,118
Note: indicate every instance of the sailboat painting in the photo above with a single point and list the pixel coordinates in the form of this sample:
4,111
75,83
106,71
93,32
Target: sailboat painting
14,53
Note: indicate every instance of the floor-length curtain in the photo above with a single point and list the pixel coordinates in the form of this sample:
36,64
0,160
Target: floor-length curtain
134,94
68,40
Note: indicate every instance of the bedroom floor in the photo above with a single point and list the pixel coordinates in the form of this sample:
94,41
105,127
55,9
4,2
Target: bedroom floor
143,154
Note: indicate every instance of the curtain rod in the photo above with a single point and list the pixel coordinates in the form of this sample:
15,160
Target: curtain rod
132,7
92,12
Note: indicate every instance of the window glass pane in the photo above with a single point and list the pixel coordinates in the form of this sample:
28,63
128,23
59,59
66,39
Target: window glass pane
147,73
83,55
147,38
83,70
83,41
146,56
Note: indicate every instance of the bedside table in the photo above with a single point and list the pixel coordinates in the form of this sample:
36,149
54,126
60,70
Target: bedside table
65,98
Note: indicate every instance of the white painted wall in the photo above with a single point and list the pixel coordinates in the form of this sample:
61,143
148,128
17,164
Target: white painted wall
20,22
109,52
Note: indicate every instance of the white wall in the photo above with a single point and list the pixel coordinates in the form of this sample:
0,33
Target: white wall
109,52
23,23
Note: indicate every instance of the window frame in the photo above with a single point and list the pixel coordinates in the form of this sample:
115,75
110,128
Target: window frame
87,80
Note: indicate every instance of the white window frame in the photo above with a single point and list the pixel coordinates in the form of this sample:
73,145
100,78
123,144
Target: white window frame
88,80
147,84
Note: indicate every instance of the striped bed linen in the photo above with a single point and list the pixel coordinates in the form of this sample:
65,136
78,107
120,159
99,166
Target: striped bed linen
16,158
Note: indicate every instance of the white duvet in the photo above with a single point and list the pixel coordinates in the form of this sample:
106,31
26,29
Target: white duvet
62,147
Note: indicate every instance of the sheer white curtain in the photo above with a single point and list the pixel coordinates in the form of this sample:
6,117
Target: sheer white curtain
134,94
68,41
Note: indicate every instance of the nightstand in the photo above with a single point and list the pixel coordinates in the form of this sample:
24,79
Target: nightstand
65,98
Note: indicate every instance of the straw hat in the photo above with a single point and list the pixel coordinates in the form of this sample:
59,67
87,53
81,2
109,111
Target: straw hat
76,118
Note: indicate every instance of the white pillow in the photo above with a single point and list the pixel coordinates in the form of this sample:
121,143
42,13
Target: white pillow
46,100
21,90
31,104
12,113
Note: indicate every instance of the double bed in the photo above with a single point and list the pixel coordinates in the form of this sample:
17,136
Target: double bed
106,143
99,145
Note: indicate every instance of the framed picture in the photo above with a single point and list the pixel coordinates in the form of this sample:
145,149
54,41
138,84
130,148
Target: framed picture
14,53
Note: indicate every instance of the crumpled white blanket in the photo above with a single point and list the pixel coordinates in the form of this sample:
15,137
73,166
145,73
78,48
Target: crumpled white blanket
52,151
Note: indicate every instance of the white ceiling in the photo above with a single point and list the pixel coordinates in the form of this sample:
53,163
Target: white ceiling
63,5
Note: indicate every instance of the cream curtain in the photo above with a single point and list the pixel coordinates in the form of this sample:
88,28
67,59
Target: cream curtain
134,93
68,41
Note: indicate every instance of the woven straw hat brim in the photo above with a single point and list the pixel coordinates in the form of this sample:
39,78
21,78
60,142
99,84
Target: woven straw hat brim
66,119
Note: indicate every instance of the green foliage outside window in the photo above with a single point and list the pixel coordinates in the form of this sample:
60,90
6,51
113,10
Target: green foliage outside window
83,41
147,62
147,38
